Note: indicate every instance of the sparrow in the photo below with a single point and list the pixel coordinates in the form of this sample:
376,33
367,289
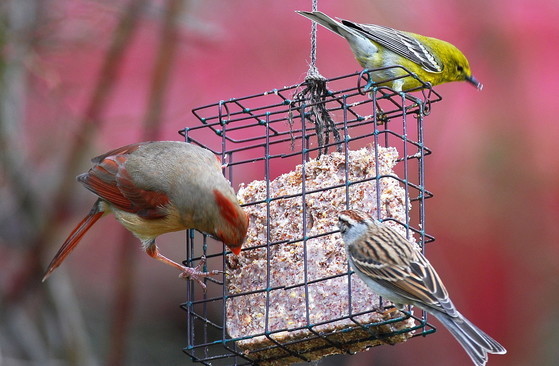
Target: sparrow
396,270
153,188
378,47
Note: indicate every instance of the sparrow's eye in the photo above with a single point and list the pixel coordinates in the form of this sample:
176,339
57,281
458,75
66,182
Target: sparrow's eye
343,226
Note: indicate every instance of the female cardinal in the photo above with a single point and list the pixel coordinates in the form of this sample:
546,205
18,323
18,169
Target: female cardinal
154,188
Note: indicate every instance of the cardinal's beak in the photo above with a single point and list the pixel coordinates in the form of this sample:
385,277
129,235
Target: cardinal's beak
472,80
235,250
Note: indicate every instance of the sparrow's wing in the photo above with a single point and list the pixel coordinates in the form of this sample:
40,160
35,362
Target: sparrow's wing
398,42
110,180
390,260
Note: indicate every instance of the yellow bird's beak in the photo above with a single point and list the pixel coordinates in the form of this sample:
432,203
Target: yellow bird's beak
472,80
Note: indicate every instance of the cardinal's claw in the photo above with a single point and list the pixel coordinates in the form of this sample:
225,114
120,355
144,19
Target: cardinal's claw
197,274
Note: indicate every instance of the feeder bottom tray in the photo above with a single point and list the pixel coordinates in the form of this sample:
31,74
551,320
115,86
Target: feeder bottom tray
339,337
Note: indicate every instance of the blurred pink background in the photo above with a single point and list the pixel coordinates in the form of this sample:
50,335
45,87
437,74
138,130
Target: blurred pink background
494,169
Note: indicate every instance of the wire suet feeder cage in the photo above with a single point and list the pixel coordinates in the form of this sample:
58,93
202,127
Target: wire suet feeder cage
298,159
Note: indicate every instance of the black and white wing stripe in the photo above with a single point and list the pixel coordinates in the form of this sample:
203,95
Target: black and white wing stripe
399,43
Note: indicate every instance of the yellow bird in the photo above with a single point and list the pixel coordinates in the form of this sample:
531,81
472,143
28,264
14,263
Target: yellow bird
432,60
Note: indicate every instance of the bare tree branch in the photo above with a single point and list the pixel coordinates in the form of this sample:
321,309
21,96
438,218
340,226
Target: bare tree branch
124,291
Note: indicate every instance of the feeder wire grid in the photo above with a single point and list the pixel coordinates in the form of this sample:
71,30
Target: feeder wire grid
266,141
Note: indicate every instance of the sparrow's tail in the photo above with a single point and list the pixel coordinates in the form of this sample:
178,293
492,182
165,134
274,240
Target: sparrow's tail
74,238
476,343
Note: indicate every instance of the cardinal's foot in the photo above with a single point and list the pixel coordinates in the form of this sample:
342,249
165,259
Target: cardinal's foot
197,274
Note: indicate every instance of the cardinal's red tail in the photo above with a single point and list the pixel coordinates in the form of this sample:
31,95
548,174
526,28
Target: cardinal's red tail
74,238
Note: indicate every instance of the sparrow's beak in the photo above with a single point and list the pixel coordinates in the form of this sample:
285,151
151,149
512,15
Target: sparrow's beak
472,80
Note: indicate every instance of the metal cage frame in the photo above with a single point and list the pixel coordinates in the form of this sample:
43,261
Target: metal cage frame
275,127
